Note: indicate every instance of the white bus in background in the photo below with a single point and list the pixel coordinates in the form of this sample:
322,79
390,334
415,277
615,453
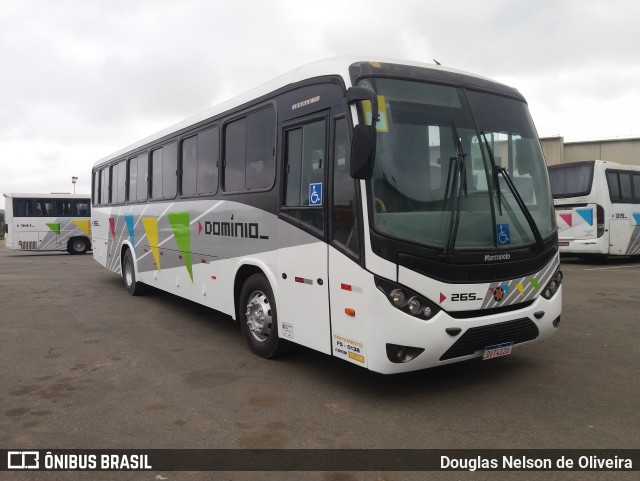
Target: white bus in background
48,222
597,207
396,246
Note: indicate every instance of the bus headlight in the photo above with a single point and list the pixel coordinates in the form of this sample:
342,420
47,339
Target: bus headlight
398,297
416,305
553,285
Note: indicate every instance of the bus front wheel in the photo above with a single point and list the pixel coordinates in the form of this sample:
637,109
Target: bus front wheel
133,287
259,318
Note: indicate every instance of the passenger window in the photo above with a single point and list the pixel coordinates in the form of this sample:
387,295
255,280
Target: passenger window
626,194
200,163
614,187
304,176
164,164
249,151
104,186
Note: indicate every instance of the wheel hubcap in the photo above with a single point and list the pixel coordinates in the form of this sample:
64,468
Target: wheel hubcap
259,316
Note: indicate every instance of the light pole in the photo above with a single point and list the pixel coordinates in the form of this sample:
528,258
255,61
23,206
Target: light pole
73,181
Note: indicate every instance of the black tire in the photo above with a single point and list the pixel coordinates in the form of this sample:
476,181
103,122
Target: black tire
133,287
258,318
78,245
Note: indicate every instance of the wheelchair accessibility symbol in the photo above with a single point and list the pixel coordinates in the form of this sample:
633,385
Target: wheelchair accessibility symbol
502,233
315,194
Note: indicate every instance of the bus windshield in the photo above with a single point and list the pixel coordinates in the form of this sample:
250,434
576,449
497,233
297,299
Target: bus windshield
440,150
571,180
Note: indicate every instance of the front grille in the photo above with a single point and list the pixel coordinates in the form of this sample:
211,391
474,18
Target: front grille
475,273
478,338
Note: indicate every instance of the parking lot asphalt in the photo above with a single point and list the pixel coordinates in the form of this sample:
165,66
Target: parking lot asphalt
84,365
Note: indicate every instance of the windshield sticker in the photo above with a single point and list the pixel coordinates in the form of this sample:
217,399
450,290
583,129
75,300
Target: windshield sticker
315,194
502,233
381,124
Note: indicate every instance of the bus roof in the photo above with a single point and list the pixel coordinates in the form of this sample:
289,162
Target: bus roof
50,195
606,163
331,66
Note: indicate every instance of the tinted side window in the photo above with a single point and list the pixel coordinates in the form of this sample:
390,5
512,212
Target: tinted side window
626,193
156,174
235,148
143,171
96,187
208,148
122,182
189,165
164,165
260,164
169,170
82,208
249,152
636,187
133,179
104,186
614,186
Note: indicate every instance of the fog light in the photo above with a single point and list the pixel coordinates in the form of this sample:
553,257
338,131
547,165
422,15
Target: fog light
397,297
547,293
414,306
559,277
553,286
427,311
400,354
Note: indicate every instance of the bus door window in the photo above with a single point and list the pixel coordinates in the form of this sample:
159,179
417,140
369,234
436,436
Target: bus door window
305,153
345,213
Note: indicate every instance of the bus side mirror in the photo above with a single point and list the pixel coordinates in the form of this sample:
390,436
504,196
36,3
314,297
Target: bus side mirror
363,144
363,149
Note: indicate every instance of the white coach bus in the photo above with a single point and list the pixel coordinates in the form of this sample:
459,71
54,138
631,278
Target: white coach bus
424,239
48,222
597,207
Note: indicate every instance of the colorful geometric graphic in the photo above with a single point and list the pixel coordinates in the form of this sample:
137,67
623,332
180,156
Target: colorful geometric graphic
534,283
586,214
180,224
54,227
83,224
128,219
150,225
520,288
442,298
112,226
499,292
636,216
567,218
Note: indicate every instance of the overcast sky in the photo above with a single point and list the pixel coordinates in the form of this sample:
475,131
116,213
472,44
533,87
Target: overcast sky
80,79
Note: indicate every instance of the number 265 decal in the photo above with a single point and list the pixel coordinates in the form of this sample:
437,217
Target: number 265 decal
465,296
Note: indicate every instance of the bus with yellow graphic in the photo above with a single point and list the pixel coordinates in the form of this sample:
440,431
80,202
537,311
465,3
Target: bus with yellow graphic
48,222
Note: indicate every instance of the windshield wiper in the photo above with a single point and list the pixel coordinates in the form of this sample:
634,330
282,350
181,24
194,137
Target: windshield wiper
497,170
494,170
456,191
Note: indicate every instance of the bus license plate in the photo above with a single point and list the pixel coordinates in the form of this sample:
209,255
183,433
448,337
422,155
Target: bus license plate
564,244
496,351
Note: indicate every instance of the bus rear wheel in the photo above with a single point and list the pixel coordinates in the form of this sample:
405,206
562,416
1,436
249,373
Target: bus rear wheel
133,287
78,245
259,318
